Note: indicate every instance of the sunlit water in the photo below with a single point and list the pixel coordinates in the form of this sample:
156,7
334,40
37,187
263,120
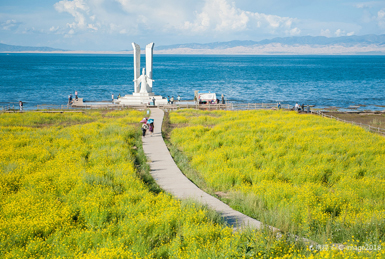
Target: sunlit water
340,81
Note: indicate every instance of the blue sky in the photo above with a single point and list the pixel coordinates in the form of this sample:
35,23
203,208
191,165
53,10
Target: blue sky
111,25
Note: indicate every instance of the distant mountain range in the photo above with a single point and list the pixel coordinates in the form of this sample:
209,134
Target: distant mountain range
13,48
346,41
298,45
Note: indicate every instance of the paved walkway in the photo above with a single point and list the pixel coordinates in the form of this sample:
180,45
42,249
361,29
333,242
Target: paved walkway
171,179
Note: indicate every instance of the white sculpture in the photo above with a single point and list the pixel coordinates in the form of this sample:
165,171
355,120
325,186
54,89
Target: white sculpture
145,83
145,79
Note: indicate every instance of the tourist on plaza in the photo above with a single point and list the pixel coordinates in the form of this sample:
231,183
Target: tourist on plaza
76,95
296,107
153,101
303,107
223,99
112,96
279,106
21,105
178,98
172,100
168,99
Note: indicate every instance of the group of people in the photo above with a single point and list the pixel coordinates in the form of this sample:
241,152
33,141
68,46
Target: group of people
112,97
298,107
70,97
148,124
171,100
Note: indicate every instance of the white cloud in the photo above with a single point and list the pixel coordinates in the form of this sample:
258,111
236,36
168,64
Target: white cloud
350,33
80,11
202,17
325,33
10,25
381,18
294,32
339,32
220,16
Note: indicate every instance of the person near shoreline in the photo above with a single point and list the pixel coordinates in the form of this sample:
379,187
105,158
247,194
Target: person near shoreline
153,101
223,99
76,95
21,105
279,106
172,100
296,107
308,108
112,96
303,107
178,98
144,129
168,99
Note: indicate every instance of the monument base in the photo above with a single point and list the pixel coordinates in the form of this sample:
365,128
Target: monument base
140,98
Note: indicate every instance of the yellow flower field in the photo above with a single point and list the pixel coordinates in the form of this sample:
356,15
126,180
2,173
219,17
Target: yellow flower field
304,174
72,186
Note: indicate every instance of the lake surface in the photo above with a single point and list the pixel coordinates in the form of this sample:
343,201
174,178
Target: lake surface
322,81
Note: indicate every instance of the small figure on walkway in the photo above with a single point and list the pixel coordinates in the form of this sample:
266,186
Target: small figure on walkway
76,95
69,99
178,98
21,105
308,108
144,129
112,96
279,106
223,99
153,101
172,100
168,99
303,107
151,127
119,96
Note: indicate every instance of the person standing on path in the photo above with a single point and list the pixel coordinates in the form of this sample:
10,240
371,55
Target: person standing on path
21,105
76,95
279,106
172,100
112,96
153,101
178,98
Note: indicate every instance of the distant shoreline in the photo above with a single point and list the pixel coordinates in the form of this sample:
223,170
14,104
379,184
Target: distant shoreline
276,50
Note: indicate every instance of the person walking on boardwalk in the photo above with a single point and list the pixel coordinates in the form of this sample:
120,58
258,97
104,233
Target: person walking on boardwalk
144,129
21,105
168,99
76,95
178,98
112,96
151,128
153,101
172,100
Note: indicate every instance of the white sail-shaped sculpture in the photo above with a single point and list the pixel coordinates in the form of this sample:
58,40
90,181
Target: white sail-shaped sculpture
143,83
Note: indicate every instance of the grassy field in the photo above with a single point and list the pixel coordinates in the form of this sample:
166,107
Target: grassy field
315,177
76,185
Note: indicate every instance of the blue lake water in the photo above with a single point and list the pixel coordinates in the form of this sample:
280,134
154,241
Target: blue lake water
339,81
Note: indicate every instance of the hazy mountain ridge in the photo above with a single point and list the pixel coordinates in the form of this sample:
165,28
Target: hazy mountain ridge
14,48
347,41
297,45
